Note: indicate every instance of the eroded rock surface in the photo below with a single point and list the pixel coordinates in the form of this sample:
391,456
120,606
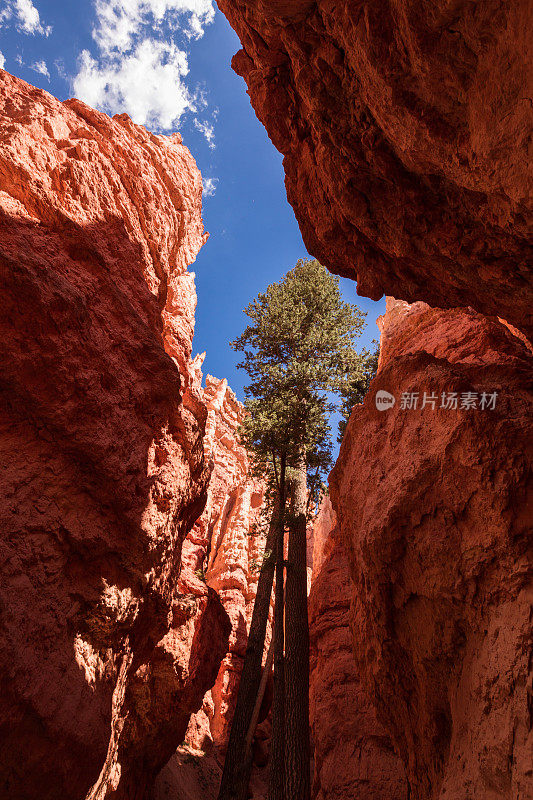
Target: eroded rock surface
226,546
406,132
406,135
223,551
435,508
353,754
103,655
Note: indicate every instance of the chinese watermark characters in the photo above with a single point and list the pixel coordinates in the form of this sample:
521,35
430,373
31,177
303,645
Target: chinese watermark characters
449,401
464,401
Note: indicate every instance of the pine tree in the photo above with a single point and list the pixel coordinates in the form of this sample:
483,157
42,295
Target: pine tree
298,351
354,392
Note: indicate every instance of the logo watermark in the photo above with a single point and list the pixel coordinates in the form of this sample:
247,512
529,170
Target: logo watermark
384,400
450,401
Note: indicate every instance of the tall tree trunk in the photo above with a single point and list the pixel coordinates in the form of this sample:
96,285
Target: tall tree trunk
267,669
297,764
277,746
236,774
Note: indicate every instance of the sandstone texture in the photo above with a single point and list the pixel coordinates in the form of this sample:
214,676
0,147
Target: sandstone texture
353,754
322,525
191,774
103,653
223,551
435,510
226,546
406,134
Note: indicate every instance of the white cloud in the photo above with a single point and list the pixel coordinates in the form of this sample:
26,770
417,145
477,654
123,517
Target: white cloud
2,60
41,68
206,130
26,17
59,64
139,69
209,186
146,84
120,21
29,19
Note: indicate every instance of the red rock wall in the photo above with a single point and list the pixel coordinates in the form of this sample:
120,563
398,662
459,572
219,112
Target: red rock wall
435,511
353,754
224,549
101,451
405,129
227,542
323,524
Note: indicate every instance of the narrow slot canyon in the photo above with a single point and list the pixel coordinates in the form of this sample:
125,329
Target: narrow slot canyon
133,524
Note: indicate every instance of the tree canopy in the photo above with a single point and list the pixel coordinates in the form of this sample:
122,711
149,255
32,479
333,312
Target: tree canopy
298,348
356,387
299,352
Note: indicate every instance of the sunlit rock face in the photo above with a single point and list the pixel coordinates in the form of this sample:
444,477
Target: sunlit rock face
224,551
103,654
434,508
406,134
353,754
322,525
227,545
405,129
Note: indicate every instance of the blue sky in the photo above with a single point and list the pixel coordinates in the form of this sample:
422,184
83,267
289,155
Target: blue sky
167,64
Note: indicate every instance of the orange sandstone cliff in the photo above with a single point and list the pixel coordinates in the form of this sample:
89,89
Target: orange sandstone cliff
103,656
228,542
353,754
224,549
127,578
406,134
434,506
